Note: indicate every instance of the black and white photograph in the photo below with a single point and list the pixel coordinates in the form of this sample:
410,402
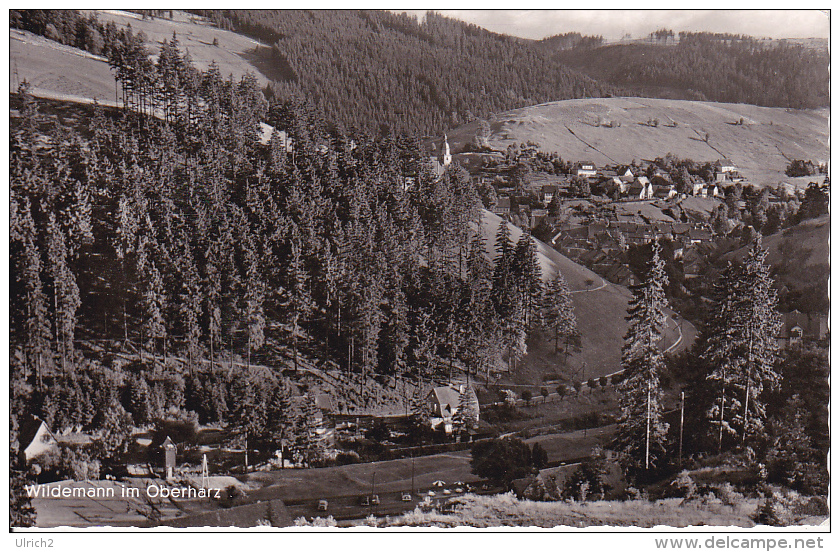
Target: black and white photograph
332,270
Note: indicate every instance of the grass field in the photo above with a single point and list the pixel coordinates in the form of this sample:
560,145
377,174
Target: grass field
63,72
761,147
355,479
233,54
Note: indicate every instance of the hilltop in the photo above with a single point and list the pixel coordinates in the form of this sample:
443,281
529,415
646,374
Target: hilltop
720,68
761,147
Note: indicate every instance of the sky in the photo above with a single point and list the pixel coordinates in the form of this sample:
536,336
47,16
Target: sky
614,24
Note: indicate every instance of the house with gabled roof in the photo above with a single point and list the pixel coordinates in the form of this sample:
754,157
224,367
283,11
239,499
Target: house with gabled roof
725,166
35,438
443,403
547,193
802,326
665,192
586,169
641,188
502,207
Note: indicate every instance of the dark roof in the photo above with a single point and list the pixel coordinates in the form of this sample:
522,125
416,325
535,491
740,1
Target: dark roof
518,486
248,515
503,203
446,397
699,234
814,326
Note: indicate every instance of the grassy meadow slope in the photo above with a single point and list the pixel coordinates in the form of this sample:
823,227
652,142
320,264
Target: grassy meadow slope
761,147
799,257
64,72
600,308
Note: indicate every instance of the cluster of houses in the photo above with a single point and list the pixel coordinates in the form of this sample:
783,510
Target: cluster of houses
628,183
618,235
622,183
599,245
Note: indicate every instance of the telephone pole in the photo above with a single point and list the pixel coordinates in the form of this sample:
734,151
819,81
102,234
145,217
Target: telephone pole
682,419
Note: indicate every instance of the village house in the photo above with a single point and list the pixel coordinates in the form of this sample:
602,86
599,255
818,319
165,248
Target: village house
36,439
725,166
537,216
698,235
801,326
502,207
585,169
641,188
665,192
547,193
443,403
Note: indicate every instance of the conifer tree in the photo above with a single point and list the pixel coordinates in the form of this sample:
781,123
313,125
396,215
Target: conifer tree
65,291
740,348
507,299
641,434
528,275
248,414
309,441
37,321
763,325
280,416
558,313
719,350
466,416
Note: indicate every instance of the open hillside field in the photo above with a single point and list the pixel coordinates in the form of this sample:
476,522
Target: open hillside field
56,70
355,479
799,257
803,246
761,147
233,54
600,308
52,67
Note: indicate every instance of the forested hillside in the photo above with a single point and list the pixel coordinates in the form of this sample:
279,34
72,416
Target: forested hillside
704,66
378,70
373,69
183,243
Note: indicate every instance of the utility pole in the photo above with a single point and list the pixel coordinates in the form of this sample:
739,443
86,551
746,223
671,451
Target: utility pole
647,430
682,419
412,474
372,489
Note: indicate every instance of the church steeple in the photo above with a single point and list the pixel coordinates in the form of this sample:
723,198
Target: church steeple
445,157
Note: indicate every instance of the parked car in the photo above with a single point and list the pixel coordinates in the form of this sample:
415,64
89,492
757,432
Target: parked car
323,505
364,500
406,497
374,499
